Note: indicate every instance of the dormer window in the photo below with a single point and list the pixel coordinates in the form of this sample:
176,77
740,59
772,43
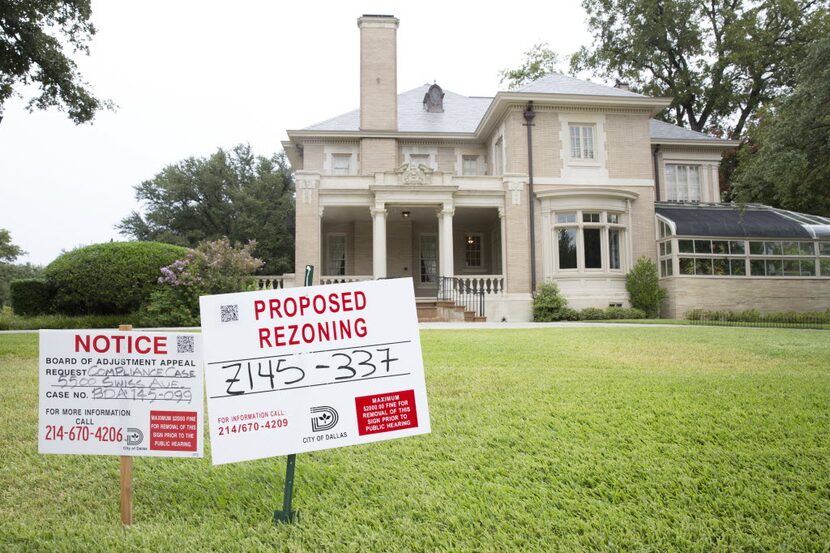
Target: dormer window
434,99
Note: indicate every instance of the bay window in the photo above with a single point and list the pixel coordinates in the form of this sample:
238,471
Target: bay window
588,240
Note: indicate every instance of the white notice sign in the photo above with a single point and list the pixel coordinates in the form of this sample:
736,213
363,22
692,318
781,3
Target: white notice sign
312,368
108,392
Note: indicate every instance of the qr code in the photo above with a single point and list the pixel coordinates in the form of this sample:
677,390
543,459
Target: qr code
229,313
184,344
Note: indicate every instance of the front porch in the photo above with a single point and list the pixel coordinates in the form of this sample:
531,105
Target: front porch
455,257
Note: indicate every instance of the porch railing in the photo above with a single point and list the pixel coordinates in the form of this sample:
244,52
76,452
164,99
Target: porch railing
275,282
340,279
489,284
454,289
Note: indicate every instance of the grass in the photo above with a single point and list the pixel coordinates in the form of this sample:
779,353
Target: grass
559,439
10,321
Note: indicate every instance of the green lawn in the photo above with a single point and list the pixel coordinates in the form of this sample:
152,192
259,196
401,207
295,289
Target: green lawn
559,439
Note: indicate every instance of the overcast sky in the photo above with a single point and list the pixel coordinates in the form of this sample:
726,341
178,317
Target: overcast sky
192,76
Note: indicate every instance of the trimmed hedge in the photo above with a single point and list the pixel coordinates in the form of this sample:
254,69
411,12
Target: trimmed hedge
30,296
754,316
110,278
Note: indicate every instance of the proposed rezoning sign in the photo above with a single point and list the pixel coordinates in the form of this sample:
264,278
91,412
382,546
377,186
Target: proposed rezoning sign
304,369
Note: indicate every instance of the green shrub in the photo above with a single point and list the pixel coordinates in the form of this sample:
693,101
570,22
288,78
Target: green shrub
111,278
550,305
642,284
592,314
30,296
624,313
599,314
214,267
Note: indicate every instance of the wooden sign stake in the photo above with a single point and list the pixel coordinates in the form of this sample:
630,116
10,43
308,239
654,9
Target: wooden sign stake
126,477
287,515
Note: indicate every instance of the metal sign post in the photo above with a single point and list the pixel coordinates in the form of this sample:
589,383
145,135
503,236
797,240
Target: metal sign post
287,515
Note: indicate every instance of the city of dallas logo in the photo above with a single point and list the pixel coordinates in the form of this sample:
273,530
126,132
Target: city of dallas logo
323,418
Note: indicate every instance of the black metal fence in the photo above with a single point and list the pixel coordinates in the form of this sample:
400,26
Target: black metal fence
462,294
817,320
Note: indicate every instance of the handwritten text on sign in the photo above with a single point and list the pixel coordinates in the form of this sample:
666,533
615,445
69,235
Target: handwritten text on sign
296,370
120,393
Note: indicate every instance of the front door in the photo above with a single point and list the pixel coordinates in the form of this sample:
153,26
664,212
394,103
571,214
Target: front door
426,277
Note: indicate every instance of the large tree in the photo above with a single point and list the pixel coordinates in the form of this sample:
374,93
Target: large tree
34,35
786,161
719,60
235,194
539,61
8,251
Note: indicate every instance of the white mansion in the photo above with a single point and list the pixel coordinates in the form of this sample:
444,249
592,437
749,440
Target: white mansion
562,180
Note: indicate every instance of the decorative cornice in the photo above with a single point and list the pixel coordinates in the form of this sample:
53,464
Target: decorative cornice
588,191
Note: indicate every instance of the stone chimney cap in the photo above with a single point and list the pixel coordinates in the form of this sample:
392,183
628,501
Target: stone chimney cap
378,20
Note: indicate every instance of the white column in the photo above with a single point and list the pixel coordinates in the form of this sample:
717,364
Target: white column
503,222
440,244
445,245
378,242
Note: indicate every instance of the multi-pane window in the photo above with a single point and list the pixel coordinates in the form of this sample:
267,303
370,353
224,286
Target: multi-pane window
469,166
473,250
582,141
336,254
341,164
824,258
781,258
428,263
683,183
757,258
589,240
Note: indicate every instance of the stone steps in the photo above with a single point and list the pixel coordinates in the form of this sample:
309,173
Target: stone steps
435,311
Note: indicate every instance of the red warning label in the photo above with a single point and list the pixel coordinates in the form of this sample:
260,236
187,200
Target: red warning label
386,412
173,430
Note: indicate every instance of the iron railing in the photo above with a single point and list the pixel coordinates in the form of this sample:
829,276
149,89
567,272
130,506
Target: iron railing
461,294
817,320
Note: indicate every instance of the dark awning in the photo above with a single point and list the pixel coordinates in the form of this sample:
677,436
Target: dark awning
731,221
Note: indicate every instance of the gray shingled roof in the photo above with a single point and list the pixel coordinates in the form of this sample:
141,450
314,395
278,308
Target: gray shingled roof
557,83
461,114
660,130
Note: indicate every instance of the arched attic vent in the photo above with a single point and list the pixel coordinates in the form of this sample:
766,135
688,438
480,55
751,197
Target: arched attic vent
434,99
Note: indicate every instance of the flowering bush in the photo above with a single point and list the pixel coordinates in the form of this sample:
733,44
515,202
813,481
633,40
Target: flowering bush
214,267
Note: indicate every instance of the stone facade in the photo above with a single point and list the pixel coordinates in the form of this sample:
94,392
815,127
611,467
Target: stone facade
766,295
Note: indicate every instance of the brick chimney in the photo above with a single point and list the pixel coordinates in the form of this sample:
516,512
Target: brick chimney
378,72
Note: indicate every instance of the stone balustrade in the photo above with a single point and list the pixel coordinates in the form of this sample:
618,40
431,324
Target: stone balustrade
340,279
275,282
489,284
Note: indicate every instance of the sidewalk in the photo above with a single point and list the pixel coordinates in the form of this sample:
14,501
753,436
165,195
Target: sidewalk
448,326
